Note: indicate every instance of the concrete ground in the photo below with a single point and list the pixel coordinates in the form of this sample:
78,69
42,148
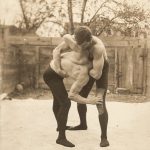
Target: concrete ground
30,125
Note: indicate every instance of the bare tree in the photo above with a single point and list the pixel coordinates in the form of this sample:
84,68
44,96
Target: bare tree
34,13
100,16
123,16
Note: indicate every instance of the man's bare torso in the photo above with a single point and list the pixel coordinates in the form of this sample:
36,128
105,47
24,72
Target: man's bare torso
73,63
77,64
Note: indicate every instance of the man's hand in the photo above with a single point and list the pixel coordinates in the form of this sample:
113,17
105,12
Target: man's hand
94,100
62,73
94,74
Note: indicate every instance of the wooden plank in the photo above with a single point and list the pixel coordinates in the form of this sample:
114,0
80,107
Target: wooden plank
9,86
43,67
9,82
120,68
45,60
45,55
27,40
37,67
116,69
37,41
56,40
10,72
148,68
123,67
111,75
138,70
129,69
145,68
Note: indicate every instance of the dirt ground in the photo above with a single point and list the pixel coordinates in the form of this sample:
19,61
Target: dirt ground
27,123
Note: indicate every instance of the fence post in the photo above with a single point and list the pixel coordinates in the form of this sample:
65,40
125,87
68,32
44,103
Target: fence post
37,67
148,68
3,45
116,69
1,56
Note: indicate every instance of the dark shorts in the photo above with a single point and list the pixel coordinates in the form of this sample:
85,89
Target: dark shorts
100,83
103,81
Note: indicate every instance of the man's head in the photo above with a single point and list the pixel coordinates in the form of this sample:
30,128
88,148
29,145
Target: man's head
83,35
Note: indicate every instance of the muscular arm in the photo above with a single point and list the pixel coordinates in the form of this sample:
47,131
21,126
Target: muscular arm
67,43
57,58
98,62
71,42
77,86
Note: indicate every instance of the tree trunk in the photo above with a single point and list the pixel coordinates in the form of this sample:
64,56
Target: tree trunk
24,16
70,16
83,10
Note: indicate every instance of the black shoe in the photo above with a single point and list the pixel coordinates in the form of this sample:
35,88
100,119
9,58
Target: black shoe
64,142
104,142
79,127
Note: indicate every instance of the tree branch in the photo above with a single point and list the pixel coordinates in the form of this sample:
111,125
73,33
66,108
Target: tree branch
23,13
101,6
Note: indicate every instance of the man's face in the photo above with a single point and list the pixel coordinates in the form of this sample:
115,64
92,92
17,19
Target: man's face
85,45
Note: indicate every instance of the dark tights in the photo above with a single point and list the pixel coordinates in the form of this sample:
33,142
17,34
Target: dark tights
61,103
82,108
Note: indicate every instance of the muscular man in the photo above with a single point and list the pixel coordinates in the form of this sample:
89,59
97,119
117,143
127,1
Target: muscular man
75,64
98,73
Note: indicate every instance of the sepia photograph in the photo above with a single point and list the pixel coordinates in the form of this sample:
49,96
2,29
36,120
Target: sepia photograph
74,74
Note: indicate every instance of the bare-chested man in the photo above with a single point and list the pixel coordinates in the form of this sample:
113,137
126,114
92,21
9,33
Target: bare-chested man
75,64
98,74
88,57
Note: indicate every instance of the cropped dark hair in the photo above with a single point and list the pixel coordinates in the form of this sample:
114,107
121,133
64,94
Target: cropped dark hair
83,33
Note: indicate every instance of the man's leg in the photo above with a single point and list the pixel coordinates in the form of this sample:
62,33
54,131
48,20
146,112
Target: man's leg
103,120
56,108
61,105
82,108
101,86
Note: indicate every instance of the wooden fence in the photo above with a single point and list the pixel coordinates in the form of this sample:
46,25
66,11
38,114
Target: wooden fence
23,59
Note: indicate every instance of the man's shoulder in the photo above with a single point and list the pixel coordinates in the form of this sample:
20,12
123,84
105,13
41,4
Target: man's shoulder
97,40
98,48
98,43
68,37
70,41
